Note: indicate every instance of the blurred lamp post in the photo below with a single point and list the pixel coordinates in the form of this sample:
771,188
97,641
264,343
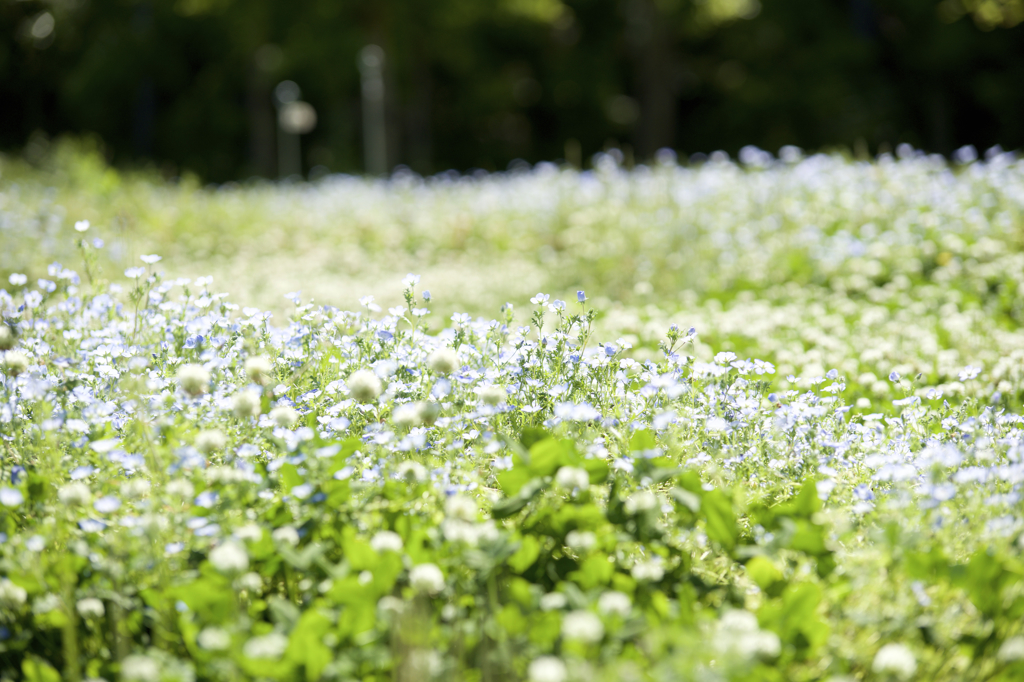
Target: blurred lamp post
294,118
371,68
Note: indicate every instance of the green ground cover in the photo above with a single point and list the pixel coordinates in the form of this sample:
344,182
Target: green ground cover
765,424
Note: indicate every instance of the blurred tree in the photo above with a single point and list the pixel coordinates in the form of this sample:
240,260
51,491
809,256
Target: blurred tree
476,83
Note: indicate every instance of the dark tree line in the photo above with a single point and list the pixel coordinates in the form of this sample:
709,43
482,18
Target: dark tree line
187,84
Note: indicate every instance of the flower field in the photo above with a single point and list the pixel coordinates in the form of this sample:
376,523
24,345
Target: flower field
765,423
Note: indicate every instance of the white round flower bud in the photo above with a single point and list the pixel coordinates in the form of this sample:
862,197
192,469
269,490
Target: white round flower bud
135,488
647,570
259,369
386,541
493,395
210,440
364,386
7,338
286,535
428,412
270,646
461,507
90,607
194,379
139,668
613,602
547,669
895,659
246,404
284,416
571,478
426,578
15,362
406,416
180,488
74,494
213,639
580,540
230,557
414,472
640,502
11,596
444,360
582,626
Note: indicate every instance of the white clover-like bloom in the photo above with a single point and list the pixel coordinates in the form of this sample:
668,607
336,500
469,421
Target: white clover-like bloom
135,488
284,416
11,595
6,337
547,669
641,501
386,541
571,478
180,487
209,441
740,636
230,557
194,379
258,369
213,639
553,601
580,540
461,507
647,570
406,416
614,603
246,404
90,607
390,606
81,225
426,578
248,532
140,668
364,386
74,494
412,471
270,646
250,582
286,535
15,362
895,659
428,411
582,626
493,395
1011,650
444,360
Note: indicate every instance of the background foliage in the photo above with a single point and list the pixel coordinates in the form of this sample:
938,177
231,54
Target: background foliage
187,83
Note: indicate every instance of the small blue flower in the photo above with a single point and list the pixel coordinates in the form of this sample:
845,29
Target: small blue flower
581,297
894,376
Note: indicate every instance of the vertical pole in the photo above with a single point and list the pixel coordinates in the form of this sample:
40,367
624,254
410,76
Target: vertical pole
371,68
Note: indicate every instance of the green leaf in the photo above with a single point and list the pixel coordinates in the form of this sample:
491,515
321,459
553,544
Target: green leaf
36,669
766,575
509,506
719,518
526,555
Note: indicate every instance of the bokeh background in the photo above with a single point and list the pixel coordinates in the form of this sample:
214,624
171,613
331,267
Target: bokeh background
187,86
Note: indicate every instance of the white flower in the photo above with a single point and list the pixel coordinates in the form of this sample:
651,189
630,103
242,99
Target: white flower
11,596
412,471
739,635
249,531
1011,650
492,395
547,669
406,416
6,337
136,488
613,602
580,540
214,639
81,225
286,535
444,360
11,497
364,386
180,488
250,582
194,379
460,507
648,570
230,557
895,659
246,404
74,494
428,411
390,606
210,440
90,607
268,646
258,369
284,416
553,601
15,362
571,478
426,578
640,502
139,668
582,626
386,541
